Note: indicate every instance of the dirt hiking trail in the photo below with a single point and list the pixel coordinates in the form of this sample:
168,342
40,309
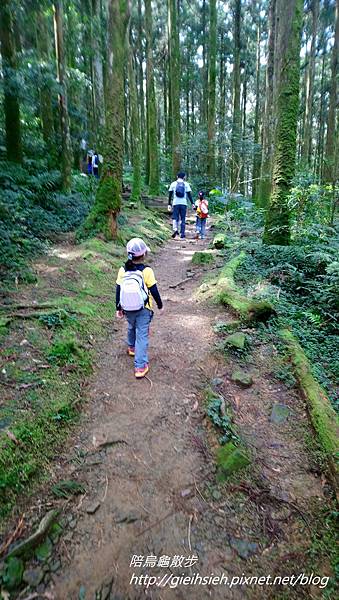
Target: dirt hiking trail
145,453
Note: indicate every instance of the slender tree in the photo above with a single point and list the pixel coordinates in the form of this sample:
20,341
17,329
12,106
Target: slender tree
318,166
331,136
243,177
257,153
152,119
97,71
9,68
236,119
277,229
140,55
307,134
107,205
46,100
135,128
174,58
264,185
204,104
211,92
66,146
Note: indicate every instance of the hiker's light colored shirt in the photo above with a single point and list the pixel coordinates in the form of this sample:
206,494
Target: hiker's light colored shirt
172,188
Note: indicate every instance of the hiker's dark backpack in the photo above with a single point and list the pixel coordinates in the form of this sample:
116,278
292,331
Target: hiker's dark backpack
95,160
180,190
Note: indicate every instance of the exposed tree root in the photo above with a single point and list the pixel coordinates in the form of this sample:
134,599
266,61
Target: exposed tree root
229,295
322,415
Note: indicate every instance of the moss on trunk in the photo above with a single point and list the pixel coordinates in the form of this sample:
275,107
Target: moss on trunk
107,205
277,230
152,119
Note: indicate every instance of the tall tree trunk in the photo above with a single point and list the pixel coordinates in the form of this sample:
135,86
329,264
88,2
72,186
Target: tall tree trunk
127,112
307,140
236,119
222,106
211,93
277,229
141,81
173,36
204,105
268,121
66,145
152,119
193,108
256,152
107,205
243,177
319,163
98,73
11,102
166,100
135,129
329,174
46,106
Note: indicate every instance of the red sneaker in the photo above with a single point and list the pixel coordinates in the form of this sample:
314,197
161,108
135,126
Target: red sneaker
130,351
141,372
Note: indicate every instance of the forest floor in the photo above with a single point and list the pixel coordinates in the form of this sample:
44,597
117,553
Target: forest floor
145,454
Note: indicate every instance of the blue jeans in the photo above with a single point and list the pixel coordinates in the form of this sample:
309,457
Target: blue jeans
200,227
137,334
179,212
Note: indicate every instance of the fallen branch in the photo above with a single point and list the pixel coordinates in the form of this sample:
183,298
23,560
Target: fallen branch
175,285
156,523
33,540
26,306
323,417
13,536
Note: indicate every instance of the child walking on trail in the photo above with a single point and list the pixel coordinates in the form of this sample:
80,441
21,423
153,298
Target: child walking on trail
202,214
136,285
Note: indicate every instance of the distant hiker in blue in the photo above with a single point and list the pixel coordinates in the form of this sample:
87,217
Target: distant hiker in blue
95,164
179,191
89,164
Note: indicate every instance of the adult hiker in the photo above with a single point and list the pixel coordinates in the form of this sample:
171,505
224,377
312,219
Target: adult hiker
179,191
95,164
89,162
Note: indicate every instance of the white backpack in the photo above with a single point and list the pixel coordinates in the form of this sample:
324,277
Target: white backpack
133,293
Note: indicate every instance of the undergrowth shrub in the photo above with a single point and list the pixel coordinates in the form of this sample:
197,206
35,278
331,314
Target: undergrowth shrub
32,211
300,280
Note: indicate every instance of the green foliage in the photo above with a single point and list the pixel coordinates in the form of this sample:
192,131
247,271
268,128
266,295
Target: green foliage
57,319
38,436
216,202
202,258
221,420
311,208
69,352
67,488
13,572
302,283
32,212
